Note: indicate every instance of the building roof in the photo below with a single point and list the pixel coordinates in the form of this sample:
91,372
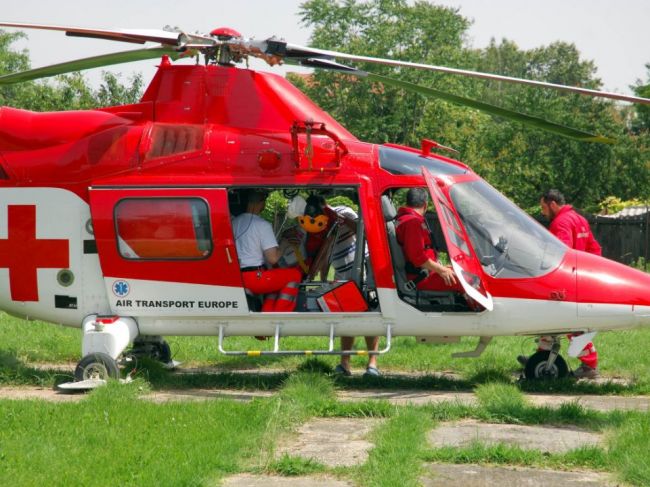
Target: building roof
630,213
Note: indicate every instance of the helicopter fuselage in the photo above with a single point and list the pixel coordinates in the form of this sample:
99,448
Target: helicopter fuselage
79,192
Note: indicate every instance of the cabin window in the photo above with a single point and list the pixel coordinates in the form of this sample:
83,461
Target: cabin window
163,229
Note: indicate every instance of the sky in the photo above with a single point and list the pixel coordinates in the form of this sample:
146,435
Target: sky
614,34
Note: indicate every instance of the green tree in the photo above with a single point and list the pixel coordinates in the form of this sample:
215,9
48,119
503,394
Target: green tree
641,120
400,30
520,161
66,92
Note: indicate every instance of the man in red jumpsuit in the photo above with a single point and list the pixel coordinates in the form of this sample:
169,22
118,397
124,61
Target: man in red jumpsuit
572,229
414,237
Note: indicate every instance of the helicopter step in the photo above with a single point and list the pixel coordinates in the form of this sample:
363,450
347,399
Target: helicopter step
477,352
276,346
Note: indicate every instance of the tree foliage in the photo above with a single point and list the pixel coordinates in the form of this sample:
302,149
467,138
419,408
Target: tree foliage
66,92
520,161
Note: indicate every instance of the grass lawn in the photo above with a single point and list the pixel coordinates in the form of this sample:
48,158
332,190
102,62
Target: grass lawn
114,438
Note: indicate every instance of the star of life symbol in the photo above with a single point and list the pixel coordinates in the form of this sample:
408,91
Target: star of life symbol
121,288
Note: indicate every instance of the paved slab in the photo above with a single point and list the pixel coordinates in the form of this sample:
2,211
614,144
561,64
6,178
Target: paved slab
205,395
407,396
34,393
599,403
335,442
246,480
439,475
420,397
548,439
397,397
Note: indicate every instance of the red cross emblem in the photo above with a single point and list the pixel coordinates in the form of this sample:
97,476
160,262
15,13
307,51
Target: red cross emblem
22,253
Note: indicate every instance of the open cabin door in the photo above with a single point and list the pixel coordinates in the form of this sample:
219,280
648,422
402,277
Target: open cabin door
465,264
167,251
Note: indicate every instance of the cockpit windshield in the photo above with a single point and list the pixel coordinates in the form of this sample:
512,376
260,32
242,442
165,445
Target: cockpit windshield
508,242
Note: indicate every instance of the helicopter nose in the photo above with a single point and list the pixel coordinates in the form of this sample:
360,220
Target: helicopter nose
606,289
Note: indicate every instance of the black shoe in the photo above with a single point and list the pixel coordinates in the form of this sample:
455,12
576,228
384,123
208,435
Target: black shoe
585,372
522,359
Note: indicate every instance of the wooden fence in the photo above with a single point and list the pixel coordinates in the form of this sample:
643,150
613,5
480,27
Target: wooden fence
623,239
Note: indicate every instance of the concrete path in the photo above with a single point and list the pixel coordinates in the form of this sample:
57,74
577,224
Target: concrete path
334,442
246,480
420,397
547,439
443,475
397,397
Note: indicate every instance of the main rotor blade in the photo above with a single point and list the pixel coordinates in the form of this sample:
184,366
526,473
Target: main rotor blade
292,50
539,123
139,36
90,62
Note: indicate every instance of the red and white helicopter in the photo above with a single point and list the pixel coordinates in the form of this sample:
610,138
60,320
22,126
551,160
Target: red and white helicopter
118,220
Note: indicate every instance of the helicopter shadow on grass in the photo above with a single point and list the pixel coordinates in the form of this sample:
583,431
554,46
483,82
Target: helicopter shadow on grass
15,372
161,378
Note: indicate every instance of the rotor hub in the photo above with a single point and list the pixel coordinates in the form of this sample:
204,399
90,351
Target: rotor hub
225,33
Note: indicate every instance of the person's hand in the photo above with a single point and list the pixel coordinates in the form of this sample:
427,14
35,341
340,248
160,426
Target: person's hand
447,275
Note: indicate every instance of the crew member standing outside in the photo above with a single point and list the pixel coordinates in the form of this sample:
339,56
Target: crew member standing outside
342,260
415,238
572,229
256,246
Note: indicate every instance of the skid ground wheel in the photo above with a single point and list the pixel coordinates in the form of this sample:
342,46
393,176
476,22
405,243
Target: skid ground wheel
162,352
159,351
97,366
536,365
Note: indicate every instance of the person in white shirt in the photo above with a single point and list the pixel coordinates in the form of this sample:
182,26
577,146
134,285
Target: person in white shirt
258,248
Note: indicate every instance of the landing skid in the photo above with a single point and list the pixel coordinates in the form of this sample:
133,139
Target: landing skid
85,385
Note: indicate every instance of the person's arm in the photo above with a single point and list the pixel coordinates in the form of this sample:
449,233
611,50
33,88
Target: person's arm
347,217
413,243
446,273
593,247
270,246
415,253
272,255
563,231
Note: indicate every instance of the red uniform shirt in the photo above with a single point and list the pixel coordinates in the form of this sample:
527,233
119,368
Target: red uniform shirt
573,230
414,237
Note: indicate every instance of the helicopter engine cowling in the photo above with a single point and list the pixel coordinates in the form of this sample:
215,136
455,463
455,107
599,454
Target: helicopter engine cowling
26,130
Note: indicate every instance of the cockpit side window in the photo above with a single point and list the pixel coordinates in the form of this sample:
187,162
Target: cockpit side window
508,242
